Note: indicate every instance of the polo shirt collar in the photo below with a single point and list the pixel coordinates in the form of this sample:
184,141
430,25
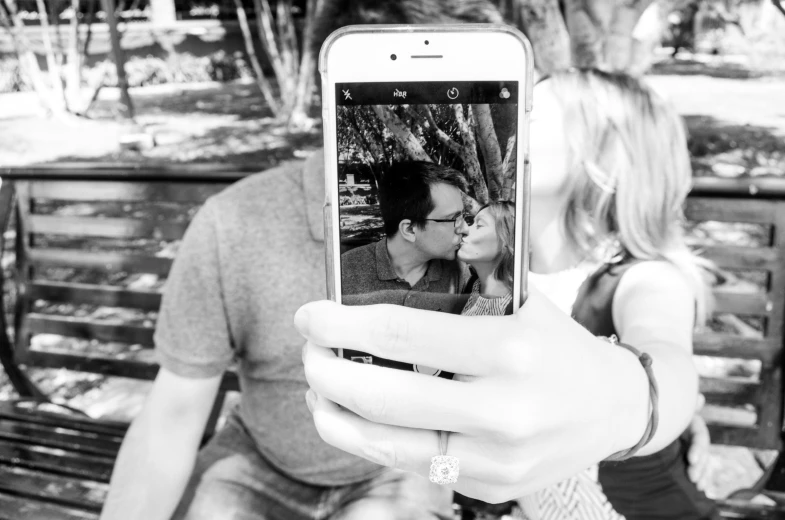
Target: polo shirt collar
385,271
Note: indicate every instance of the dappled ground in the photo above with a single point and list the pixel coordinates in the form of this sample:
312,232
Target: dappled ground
211,122
736,126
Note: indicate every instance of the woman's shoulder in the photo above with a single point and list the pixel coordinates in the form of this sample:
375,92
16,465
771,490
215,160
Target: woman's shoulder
654,295
654,275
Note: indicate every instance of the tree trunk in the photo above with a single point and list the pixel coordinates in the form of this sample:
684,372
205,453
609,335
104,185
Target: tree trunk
264,20
119,59
491,152
587,22
303,92
403,135
469,156
620,43
51,61
509,167
73,71
427,121
601,32
779,6
163,16
647,35
261,80
543,23
28,63
289,55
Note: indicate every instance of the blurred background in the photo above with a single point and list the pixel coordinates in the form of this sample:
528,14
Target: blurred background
234,81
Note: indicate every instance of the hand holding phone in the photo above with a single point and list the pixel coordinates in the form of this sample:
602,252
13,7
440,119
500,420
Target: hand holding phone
426,169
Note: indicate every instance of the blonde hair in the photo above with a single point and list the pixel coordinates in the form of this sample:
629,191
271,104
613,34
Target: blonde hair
503,213
630,172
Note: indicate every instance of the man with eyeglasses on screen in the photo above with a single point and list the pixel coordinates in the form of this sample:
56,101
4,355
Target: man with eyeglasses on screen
415,264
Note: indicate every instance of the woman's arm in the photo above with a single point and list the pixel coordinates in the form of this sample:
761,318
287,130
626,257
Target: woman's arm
654,311
541,398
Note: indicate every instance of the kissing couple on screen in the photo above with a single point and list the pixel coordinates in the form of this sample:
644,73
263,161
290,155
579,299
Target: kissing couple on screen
435,254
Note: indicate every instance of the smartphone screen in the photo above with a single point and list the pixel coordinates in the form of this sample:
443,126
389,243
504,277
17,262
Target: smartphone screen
426,191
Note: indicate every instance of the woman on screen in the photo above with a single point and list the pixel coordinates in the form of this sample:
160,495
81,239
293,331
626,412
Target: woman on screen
488,247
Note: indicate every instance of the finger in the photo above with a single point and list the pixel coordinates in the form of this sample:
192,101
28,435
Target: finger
396,397
408,449
471,346
700,441
699,475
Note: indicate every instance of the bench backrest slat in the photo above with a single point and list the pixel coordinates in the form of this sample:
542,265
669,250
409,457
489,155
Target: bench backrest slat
750,409
731,346
741,303
99,260
95,295
150,191
93,364
754,211
87,329
729,392
123,228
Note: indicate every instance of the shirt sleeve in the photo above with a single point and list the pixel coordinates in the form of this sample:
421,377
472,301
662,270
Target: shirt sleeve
192,337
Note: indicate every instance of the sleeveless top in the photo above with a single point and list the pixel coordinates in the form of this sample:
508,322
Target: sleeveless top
650,487
580,496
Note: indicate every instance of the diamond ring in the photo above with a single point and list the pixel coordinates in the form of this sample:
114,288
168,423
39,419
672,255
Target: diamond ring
444,468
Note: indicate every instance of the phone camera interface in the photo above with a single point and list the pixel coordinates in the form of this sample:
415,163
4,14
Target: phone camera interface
393,57
426,175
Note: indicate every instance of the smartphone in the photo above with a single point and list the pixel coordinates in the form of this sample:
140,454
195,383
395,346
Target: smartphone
426,131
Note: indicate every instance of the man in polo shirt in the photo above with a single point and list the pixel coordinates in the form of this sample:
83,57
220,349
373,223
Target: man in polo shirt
414,265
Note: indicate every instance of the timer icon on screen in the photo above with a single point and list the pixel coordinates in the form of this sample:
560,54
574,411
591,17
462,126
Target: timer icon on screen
452,93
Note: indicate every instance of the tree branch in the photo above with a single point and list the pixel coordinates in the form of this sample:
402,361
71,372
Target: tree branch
369,146
28,61
261,80
778,5
403,135
427,121
543,23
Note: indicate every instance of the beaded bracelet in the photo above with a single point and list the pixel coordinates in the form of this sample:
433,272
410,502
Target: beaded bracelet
654,417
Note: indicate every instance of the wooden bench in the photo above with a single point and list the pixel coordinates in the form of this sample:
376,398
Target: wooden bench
93,245
93,237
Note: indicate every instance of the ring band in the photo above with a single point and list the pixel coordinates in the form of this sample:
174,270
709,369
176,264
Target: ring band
444,468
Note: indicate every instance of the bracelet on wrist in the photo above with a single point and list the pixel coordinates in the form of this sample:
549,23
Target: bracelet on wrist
654,415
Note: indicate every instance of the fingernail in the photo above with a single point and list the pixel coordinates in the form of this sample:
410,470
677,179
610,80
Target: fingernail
301,320
310,399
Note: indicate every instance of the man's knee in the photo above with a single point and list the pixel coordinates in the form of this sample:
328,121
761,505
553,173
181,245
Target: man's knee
384,509
222,494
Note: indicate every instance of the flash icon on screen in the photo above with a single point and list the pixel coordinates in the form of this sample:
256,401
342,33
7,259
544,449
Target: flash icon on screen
346,95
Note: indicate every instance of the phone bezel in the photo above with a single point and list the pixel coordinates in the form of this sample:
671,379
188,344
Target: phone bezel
460,59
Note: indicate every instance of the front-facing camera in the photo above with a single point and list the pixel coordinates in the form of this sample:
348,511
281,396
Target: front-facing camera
393,57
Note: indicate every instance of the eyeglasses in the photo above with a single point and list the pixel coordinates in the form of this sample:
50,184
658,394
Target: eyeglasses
466,218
